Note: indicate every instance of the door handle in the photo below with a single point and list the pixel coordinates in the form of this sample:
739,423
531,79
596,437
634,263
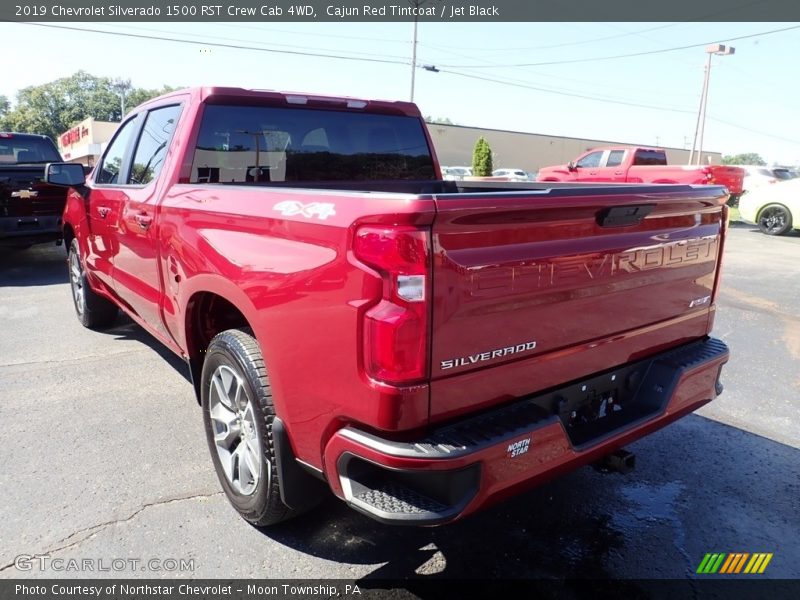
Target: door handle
619,172
143,220
103,211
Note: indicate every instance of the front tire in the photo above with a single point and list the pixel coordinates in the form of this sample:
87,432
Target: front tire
93,311
774,219
238,413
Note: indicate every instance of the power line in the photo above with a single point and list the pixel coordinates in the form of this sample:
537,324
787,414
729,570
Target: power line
229,39
547,47
561,77
512,83
564,93
221,45
614,101
316,34
617,56
762,133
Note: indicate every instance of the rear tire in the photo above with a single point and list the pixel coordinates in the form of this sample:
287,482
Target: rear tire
93,311
774,219
238,413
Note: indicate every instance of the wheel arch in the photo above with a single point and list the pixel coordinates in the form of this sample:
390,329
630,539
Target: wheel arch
207,314
781,204
69,234
793,224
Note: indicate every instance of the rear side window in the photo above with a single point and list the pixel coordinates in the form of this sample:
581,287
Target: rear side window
16,149
615,158
265,144
153,141
650,157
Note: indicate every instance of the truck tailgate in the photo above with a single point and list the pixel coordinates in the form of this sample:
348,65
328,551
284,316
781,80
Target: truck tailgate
729,176
533,289
22,193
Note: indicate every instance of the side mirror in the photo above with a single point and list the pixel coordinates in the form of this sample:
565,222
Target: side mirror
66,174
571,166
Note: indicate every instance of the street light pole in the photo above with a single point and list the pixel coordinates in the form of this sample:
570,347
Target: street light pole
122,86
414,58
721,50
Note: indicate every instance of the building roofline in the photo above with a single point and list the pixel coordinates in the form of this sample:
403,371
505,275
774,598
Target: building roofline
566,137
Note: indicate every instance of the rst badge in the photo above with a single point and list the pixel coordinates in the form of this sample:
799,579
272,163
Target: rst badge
291,208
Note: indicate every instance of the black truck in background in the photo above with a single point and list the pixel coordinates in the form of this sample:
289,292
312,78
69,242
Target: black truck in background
30,210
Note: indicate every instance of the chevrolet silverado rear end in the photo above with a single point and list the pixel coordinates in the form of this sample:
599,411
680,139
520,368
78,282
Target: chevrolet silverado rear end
420,347
564,323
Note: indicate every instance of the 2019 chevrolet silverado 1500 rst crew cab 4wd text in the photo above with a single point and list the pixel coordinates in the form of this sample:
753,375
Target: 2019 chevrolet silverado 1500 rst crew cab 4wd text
350,320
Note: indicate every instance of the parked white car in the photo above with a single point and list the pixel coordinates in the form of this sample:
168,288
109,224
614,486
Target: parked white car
456,173
756,176
774,208
512,174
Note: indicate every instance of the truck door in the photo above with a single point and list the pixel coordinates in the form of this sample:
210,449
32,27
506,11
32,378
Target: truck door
136,267
107,193
611,167
587,167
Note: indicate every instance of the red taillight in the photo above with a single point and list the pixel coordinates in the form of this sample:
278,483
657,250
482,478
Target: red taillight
709,175
396,329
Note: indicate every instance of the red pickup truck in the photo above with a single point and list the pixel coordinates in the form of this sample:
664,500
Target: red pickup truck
642,165
351,321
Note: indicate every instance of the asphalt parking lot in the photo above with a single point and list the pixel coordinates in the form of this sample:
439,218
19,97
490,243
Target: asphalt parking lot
104,456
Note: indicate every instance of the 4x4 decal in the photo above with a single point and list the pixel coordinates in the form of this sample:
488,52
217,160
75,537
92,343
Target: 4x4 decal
291,208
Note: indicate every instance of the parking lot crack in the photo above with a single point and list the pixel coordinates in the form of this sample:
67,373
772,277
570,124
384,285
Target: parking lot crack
71,359
89,532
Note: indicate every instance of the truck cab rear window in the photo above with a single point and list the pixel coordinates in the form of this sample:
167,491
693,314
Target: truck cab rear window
21,149
650,157
266,144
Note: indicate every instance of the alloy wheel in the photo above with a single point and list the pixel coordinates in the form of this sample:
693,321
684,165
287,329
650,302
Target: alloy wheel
236,438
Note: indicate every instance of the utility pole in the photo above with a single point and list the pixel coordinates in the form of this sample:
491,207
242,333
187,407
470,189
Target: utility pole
416,4
414,55
700,126
122,87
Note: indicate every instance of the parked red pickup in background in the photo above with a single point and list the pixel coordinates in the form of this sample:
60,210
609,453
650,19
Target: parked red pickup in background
619,164
353,322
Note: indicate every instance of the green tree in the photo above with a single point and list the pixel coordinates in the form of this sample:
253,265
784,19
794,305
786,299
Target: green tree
5,106
748,158
54,107
482,158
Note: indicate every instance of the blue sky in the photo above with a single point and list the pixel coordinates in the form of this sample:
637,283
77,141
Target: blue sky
754,97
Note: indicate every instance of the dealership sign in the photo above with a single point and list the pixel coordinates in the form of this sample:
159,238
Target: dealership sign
74,135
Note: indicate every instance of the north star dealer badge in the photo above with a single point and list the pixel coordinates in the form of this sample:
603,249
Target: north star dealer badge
516,448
